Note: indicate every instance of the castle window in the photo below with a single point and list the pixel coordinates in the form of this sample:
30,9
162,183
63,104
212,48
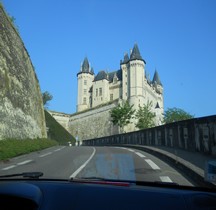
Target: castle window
111,97
101,98
85,82
85,91
100,91
84,100
96,92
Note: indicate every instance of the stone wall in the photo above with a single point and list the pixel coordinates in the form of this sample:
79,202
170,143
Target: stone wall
61,118
198,134
21,106
92,123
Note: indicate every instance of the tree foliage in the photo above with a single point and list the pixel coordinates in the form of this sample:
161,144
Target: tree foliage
46,98
145,116
122,114
176,114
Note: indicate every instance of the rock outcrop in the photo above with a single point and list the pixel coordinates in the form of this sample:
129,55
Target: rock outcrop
21,106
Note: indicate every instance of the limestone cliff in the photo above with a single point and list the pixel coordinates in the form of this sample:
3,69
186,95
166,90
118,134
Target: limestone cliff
21,106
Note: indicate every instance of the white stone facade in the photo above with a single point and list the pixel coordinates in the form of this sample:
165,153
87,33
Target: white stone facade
98,94
93,123
61,118
130,83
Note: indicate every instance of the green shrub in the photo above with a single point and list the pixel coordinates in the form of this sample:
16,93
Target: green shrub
56,131
13,147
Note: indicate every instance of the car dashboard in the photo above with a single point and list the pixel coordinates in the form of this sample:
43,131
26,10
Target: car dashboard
62,194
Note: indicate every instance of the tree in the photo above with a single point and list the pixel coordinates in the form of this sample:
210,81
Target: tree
122,115
46,97
145,116
176,114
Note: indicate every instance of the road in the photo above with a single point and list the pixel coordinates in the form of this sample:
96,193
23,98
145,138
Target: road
108,162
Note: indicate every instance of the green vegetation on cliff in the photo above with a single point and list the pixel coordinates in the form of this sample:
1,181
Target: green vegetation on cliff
56,131
13,147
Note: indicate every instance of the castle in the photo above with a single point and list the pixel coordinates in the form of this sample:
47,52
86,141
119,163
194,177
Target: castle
98,94
130,82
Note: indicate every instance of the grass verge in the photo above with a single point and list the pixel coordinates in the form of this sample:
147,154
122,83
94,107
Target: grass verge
56,131
13,147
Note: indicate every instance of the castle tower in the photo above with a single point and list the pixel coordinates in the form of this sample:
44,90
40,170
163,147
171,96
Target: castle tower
157,83
159,108
85,78
125,79
135,76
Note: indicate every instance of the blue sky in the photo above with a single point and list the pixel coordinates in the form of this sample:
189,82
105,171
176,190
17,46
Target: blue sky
177,37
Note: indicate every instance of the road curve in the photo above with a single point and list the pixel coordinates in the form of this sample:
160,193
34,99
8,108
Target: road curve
106,162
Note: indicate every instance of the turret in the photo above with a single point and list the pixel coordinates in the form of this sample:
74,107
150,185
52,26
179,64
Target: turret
157,83
125,80
136,77
135,55
159,105
85,78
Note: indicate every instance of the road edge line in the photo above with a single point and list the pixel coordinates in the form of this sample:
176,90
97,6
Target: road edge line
73,175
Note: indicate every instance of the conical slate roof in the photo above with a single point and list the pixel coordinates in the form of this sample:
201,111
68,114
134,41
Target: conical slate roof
85,67
135,53
92,70
156,78
126,58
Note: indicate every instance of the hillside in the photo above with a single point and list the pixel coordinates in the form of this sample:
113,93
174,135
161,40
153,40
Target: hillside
56,131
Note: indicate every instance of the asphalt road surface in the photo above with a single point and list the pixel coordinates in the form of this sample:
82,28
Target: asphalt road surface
66,162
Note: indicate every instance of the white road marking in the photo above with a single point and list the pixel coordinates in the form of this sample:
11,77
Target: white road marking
28,161
83,165
49,153
9,167
165,179
129,150
57,150
18,164
152,164
140,154
24,162
125,149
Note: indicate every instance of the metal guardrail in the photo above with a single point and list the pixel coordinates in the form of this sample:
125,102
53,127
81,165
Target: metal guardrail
197,134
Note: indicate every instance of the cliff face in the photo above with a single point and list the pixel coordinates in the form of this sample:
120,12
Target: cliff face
21,106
